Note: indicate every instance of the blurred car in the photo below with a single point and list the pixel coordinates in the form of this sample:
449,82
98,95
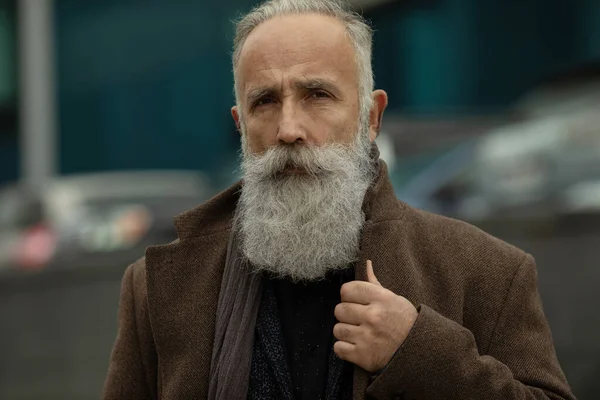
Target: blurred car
544,161
97,218
552,153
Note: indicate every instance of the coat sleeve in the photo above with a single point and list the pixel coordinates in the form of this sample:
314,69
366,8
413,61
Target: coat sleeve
440,358
132,366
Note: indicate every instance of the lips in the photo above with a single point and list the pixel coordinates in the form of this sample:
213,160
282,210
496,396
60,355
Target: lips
290,171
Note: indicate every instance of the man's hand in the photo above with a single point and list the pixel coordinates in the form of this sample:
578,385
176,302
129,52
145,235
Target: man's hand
373,323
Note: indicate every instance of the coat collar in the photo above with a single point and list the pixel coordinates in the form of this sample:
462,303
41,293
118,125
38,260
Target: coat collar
211,217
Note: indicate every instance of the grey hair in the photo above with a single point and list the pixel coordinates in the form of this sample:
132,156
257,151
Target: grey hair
359,32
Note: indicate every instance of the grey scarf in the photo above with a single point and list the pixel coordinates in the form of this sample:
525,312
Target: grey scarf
237,309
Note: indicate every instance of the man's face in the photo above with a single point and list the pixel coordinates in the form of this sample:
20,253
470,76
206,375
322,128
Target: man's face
306,150
298,83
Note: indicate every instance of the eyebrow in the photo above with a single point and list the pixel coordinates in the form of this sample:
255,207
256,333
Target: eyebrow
317,84
258,93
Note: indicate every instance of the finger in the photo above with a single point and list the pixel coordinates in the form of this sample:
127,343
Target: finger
360,292
344,350
371,274
350,313
346,333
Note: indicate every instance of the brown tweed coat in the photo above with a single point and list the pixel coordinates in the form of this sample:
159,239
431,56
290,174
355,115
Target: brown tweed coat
481,332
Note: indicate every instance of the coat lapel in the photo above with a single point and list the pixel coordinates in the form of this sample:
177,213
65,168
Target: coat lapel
183,280
384,242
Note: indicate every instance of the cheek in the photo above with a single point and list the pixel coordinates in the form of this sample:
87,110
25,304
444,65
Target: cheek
343,131
338,124
348,134
252,145
258,136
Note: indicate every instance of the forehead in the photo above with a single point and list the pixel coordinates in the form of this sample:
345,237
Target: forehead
297,46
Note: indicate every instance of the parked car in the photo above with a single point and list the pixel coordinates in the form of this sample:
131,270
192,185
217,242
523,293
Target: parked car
544,160
91,219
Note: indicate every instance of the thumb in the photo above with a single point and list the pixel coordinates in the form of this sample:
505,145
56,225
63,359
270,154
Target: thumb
370,274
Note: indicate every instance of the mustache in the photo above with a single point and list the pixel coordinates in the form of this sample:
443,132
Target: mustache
309,159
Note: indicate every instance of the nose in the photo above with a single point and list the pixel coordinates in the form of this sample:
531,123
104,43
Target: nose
290,129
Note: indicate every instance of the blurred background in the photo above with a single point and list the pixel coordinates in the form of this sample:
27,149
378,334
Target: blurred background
114,117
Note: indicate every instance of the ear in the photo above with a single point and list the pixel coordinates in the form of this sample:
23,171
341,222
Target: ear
236,117
380,102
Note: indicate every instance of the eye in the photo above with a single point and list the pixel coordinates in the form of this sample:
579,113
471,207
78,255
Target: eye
263,101
319,94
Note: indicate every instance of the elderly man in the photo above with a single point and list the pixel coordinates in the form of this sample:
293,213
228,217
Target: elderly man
309,279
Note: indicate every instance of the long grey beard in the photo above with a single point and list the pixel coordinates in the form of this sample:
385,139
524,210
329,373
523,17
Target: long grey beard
302,226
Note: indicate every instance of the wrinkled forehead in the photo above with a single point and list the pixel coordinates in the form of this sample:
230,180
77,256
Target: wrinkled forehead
295,46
